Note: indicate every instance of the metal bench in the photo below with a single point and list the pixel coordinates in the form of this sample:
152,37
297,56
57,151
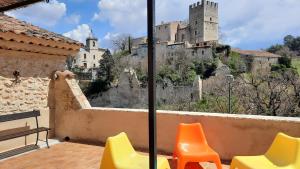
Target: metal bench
24,115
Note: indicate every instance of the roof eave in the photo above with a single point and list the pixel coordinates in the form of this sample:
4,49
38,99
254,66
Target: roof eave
19,5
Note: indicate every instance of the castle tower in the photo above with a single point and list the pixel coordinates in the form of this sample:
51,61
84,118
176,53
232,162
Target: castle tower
92,42
203,21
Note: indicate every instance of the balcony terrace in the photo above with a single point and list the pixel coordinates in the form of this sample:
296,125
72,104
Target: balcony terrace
36,55
68,155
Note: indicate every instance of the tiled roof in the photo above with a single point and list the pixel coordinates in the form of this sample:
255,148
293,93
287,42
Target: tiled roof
256,53
10,24
12,4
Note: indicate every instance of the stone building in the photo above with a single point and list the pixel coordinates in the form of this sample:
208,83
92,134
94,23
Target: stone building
257,60
193,38
36,54
202,27
90,55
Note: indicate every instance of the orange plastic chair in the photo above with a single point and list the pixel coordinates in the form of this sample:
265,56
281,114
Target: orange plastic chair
191,146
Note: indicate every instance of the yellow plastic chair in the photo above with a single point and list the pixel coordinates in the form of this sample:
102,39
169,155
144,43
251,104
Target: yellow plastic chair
284,153
119,154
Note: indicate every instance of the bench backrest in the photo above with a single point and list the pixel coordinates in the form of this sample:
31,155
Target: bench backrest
19,116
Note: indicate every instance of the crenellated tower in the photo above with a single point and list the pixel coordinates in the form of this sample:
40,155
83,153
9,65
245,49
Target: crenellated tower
203,22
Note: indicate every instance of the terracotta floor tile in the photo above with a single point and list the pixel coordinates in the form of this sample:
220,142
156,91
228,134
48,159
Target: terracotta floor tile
66,156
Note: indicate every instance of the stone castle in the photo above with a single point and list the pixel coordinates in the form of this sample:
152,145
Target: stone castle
192,39
201,28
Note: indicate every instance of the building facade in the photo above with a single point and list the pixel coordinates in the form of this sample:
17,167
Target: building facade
257,60
90,55
202,27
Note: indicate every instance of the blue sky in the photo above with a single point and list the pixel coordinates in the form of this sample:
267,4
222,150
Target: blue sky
247,24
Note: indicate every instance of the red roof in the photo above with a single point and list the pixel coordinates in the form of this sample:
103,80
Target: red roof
10,24
256,53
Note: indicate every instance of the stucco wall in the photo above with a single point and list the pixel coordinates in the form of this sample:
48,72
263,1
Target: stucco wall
229,135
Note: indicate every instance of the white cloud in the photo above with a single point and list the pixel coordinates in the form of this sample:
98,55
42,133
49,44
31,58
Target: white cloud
241,21
73,19
43,14
123,15
106,41
80,33
259,21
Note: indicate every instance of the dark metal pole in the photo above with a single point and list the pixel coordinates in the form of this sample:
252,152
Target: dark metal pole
229,97
151,84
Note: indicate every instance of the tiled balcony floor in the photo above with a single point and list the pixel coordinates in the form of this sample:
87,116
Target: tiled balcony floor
66,156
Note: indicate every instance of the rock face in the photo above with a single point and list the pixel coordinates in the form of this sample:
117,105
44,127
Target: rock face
129,94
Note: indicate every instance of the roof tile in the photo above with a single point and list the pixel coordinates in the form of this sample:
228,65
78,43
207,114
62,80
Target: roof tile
10,24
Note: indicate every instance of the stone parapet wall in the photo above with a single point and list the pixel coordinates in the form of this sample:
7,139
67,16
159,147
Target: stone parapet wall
229,135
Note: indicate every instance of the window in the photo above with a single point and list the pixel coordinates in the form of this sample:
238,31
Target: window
196,22
94,65
94,57
85,65
210,19
94,44
74,60
202,52
84,56
195,32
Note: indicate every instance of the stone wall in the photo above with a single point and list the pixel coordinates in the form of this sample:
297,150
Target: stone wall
34,90
129,87
166,54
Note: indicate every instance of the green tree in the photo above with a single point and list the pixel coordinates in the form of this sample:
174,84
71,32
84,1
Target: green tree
205,68
236,64
166,72
105,73
275,48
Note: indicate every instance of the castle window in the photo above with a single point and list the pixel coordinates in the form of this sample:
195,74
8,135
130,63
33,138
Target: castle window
196,22
94,65
210,19
195,32
85,65
84,56
94,44
94,57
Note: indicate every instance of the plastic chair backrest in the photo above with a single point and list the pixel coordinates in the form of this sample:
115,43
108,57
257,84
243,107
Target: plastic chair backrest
190,133
284,151
121,146
117,148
